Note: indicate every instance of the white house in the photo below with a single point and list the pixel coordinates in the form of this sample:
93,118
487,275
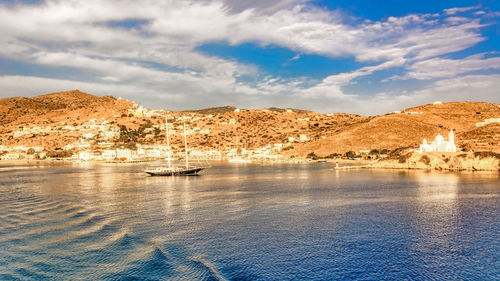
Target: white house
11,156
439,144
108,154
303,138
124,153
84,155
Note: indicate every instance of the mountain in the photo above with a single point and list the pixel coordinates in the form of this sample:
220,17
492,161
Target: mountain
409,127
62,118
58,106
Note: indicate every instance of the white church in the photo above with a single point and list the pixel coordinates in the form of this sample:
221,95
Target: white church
439,144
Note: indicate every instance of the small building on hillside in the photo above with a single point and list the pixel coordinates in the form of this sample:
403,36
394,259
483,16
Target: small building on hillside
440,144
303,138
84,155
488,121
12,156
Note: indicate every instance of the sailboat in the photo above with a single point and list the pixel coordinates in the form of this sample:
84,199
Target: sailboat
172,170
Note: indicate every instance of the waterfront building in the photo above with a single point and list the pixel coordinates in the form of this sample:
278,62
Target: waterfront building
439,144
108,154
11,156
84,155
124,153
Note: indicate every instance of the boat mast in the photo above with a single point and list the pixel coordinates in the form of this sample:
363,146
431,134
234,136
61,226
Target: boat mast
168,142
185,144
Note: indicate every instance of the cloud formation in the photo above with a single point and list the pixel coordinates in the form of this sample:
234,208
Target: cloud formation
149,54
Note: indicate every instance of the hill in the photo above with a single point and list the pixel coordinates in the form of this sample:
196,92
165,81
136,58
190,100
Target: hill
58,106
411,126
56,120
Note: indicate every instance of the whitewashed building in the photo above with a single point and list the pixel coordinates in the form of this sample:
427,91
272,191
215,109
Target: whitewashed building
85,155
303,138
439,144
11,156
125,153
108,154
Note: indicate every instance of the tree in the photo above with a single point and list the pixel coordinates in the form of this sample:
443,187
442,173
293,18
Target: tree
350,154
333,155
312,156
374,152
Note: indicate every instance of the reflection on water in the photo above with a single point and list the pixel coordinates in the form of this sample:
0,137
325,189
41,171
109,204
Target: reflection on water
246,222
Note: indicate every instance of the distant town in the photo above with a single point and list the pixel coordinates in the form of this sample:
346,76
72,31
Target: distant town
78,126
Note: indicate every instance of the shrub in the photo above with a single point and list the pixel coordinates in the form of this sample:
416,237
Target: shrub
403,158
312,156
425,159
486,154
350,154
59,153
333,155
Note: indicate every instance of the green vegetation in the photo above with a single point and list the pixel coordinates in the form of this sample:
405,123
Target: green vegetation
486,154
59,153
425,159
333,155
350,154
403,158
127,135
312,156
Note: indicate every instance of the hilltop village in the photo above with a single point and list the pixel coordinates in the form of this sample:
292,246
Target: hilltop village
79,126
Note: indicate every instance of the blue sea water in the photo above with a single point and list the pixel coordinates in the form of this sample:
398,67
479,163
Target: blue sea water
247,222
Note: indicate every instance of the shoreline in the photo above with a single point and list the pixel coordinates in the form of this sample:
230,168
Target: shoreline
469,161
413,168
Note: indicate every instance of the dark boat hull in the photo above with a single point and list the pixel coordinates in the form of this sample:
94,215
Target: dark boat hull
186,172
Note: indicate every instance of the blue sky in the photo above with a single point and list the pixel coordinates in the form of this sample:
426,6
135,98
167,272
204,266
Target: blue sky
356,56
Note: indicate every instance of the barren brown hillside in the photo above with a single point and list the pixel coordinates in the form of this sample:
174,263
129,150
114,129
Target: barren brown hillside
300,132
409,128
486,138
59,106
461,116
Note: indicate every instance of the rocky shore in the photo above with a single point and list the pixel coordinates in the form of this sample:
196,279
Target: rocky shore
472,161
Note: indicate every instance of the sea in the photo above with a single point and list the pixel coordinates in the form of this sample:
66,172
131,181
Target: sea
98,221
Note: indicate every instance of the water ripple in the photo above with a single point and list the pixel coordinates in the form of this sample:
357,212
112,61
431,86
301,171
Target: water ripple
246,223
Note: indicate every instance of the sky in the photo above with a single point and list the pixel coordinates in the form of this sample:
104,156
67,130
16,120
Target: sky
355,56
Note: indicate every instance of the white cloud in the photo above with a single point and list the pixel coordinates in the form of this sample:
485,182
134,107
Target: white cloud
160,59
453,11
31,86
438,67
345,78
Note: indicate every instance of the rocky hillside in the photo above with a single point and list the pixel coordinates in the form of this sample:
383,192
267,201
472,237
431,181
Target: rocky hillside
409,127
43,121
57,107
